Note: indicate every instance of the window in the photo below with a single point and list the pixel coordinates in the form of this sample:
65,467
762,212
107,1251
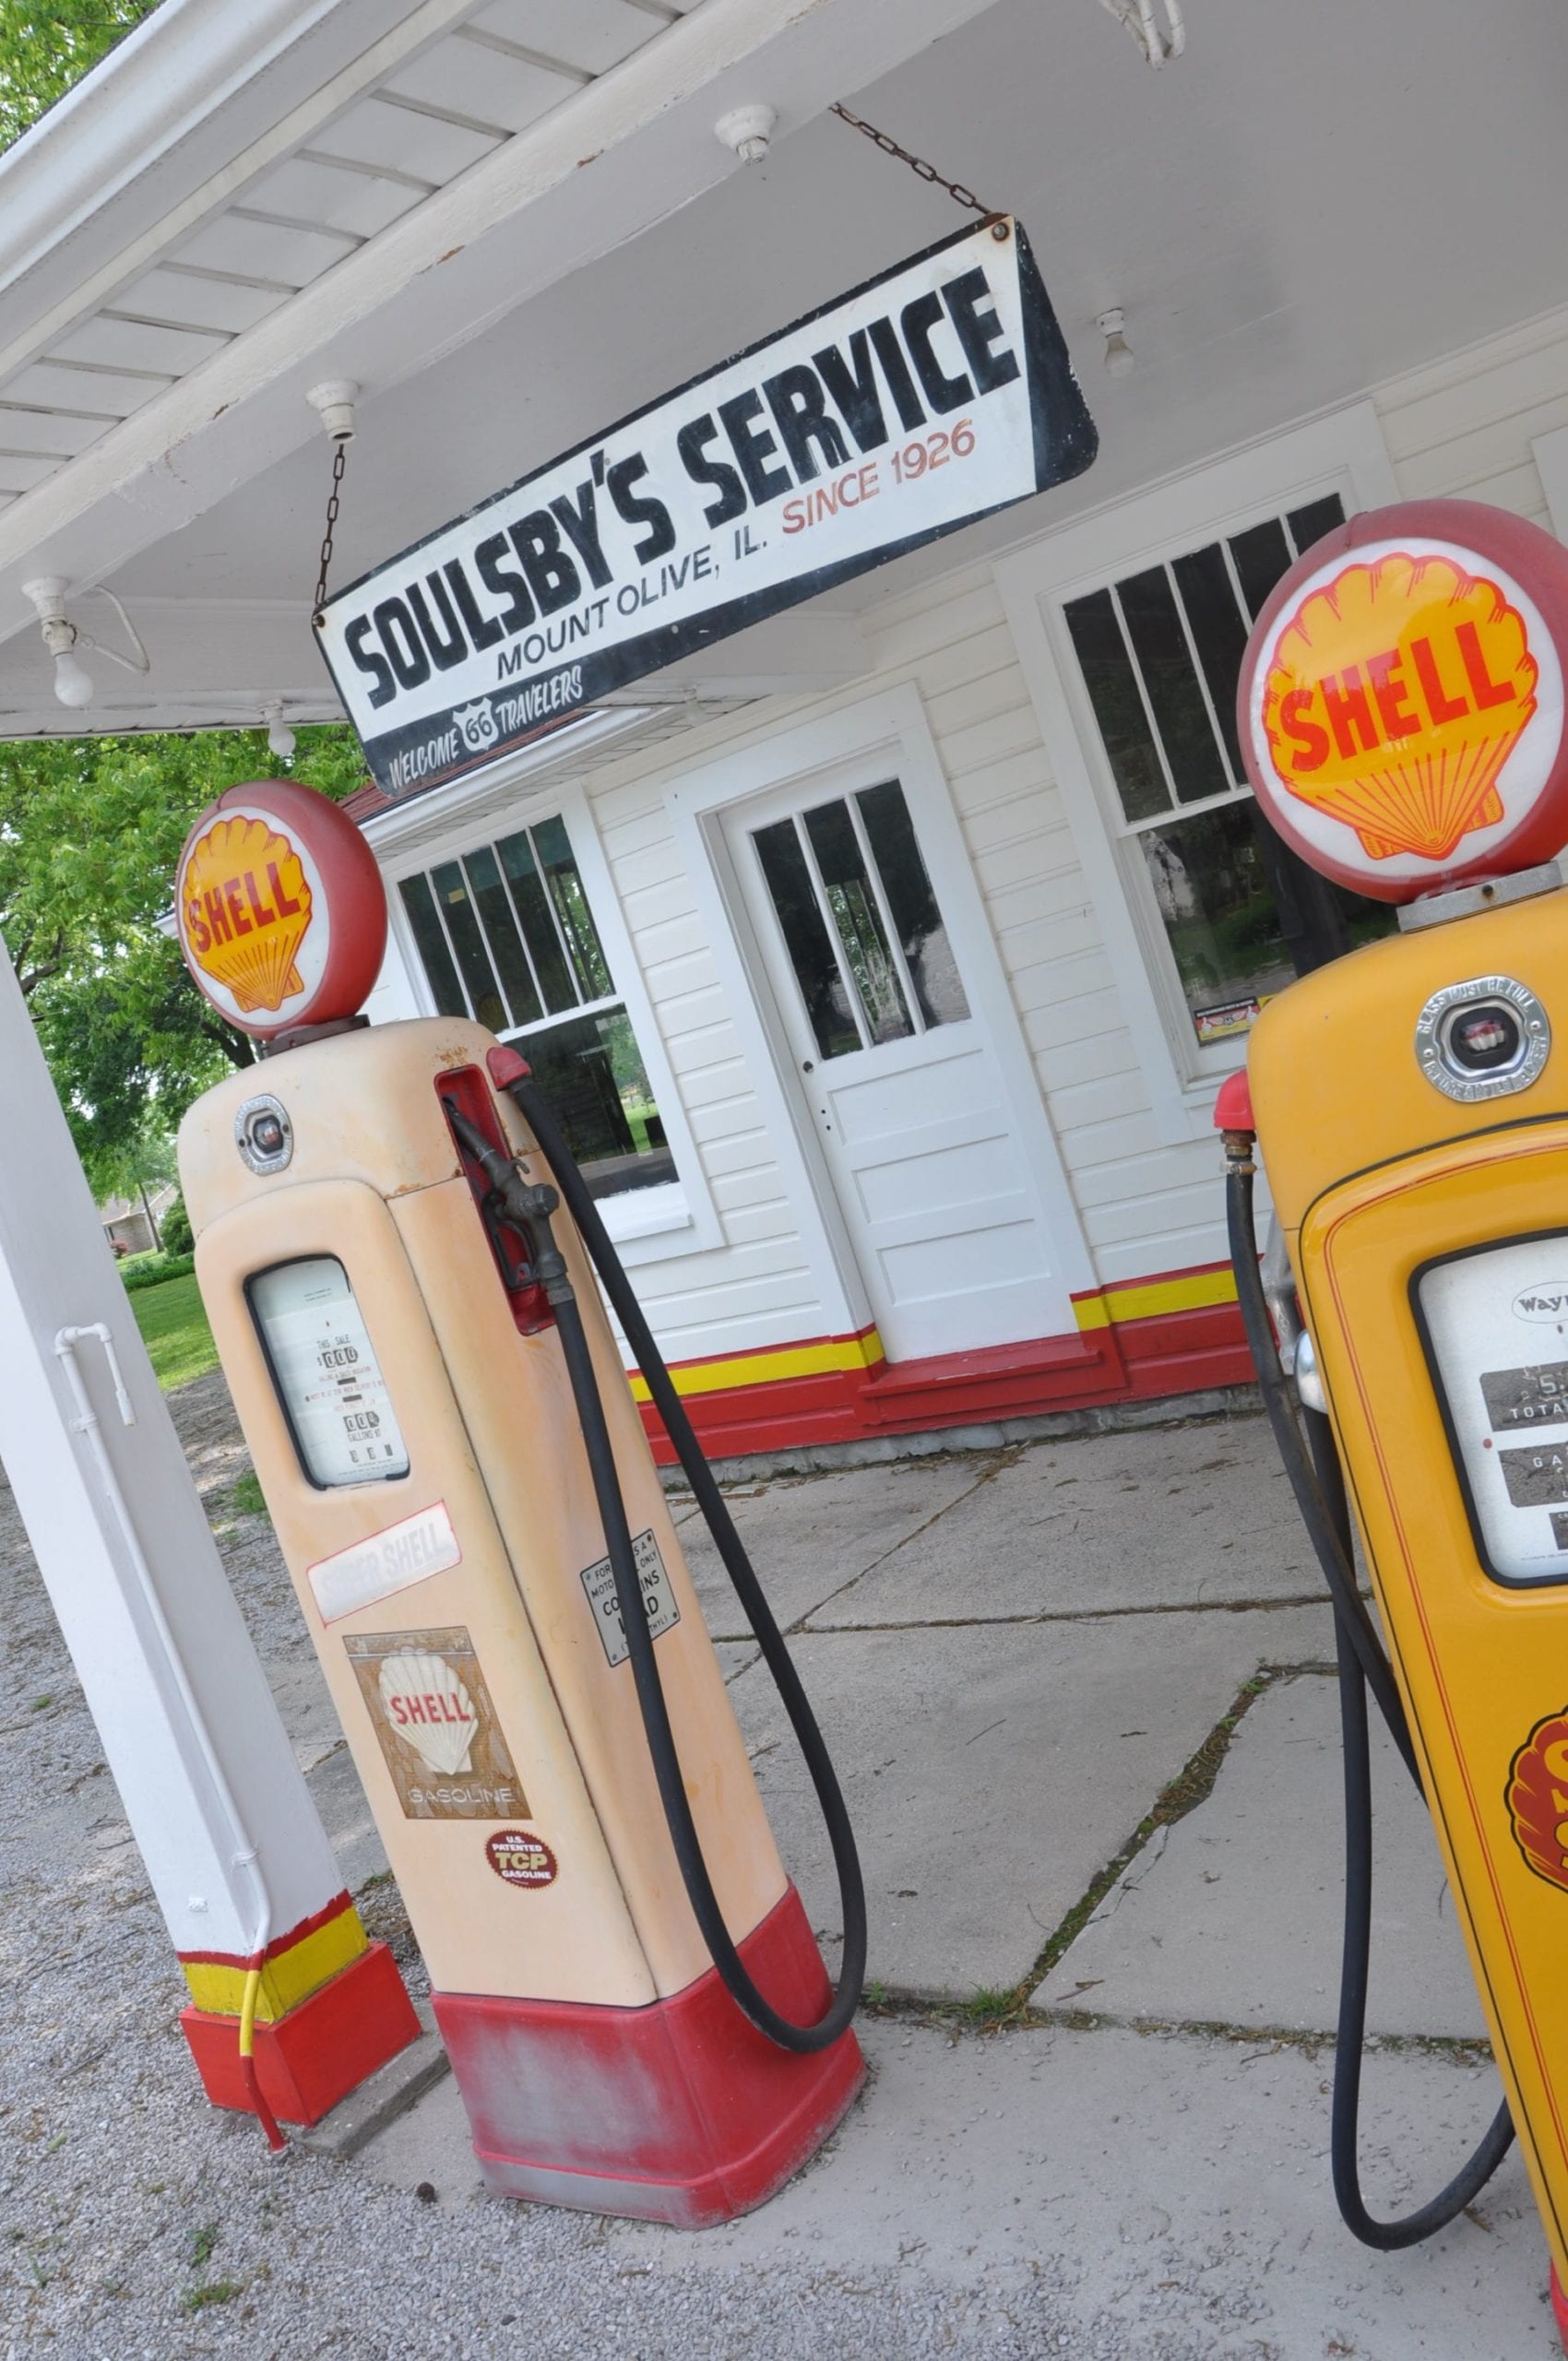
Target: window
860,922
505,935
1160,654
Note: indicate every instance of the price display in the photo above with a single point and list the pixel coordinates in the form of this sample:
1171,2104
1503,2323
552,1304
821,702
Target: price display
1497,1329
327,1377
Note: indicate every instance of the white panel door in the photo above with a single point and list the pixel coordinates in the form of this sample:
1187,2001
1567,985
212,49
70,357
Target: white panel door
896,1073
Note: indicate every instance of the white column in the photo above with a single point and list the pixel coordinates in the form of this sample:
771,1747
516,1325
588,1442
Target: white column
187,1722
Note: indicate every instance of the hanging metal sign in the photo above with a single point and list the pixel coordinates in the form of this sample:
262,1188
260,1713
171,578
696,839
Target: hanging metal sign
938,393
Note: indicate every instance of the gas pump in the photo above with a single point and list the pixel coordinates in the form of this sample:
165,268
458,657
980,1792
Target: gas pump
1402,713
393,1247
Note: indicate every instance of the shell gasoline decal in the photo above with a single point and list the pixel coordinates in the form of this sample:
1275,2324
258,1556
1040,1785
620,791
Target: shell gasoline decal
520,1858
252,919
1406,707
432,1715
1537,1799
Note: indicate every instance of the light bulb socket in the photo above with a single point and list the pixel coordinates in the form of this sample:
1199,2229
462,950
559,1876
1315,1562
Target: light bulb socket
1118,351
747,131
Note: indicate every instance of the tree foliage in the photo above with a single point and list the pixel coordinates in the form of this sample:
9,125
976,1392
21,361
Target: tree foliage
91,831
47,45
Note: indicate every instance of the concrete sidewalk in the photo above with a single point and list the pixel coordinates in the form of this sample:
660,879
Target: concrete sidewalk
1079,1696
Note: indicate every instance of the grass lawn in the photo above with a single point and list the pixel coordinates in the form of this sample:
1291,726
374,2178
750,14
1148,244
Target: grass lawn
174,1330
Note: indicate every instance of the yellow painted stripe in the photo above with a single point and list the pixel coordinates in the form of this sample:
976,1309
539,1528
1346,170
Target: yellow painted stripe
765,1368
1194,1292
287,1979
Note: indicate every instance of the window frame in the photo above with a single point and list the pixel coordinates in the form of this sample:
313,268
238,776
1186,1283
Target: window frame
1344,454
648,1225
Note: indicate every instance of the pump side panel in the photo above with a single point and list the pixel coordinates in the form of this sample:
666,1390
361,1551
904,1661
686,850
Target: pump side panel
1482,1667
515,1402
571,1938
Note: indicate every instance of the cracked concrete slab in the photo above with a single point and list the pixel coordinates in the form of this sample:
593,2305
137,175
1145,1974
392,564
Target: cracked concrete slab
1181,1516
1133,2194
808,1535
990,1774
1236,1917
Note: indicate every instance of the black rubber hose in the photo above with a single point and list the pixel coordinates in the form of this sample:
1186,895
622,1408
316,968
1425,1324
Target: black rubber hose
536,1114
1319,1485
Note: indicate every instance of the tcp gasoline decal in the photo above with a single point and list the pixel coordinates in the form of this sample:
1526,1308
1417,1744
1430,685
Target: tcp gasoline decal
520,1858
435,1722
659,1599
1537,1799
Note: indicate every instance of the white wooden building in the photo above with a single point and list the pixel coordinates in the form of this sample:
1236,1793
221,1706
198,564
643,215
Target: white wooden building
886,958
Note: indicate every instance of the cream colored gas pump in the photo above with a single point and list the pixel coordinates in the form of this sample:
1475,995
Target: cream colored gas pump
391,1285
1402,712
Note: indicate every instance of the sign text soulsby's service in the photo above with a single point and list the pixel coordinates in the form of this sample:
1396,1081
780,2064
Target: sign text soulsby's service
935,394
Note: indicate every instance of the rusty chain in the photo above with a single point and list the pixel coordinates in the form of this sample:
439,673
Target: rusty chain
334,503
956,189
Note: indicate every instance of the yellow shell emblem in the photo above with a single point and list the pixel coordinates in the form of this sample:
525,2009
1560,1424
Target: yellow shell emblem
245,911
1397,692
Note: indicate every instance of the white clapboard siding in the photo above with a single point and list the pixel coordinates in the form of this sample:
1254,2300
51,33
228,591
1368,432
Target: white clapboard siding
1462,427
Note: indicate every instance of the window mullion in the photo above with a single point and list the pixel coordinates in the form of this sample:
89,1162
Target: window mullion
544,878
1138,671
1189,811
835,940
1199,675
517,921
435,898
485,936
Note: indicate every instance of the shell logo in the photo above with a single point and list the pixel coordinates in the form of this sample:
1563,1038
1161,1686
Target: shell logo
245,910
1397,692
1537,1799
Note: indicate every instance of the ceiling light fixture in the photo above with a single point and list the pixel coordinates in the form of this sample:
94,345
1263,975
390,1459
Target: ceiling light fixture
73,683
746,132
280,737
1118,351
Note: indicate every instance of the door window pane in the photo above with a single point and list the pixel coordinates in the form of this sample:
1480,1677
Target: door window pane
1118,708
852,904
468,944
801,924
906,885
1154,626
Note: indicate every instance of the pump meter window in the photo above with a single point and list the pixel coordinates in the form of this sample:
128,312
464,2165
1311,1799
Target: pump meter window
328,1379
1496,1324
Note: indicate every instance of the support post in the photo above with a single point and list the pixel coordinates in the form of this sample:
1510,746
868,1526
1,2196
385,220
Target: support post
236,1855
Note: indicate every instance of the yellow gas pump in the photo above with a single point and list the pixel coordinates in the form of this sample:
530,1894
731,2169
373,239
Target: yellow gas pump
623,1974
1402,713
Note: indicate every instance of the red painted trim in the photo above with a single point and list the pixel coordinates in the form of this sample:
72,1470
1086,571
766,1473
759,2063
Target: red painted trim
1130,1360
279,1943
309,2060
680,2112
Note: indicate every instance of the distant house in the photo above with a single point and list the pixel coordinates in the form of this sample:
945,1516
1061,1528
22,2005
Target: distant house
133,1224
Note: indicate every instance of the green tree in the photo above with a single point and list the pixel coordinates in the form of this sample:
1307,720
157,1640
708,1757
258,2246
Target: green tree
45,48
91,831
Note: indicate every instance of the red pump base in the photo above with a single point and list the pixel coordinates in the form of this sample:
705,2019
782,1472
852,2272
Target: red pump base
1560,2308
680,2112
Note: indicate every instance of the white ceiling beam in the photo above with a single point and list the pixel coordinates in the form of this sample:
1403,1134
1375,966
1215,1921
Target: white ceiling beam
628,151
